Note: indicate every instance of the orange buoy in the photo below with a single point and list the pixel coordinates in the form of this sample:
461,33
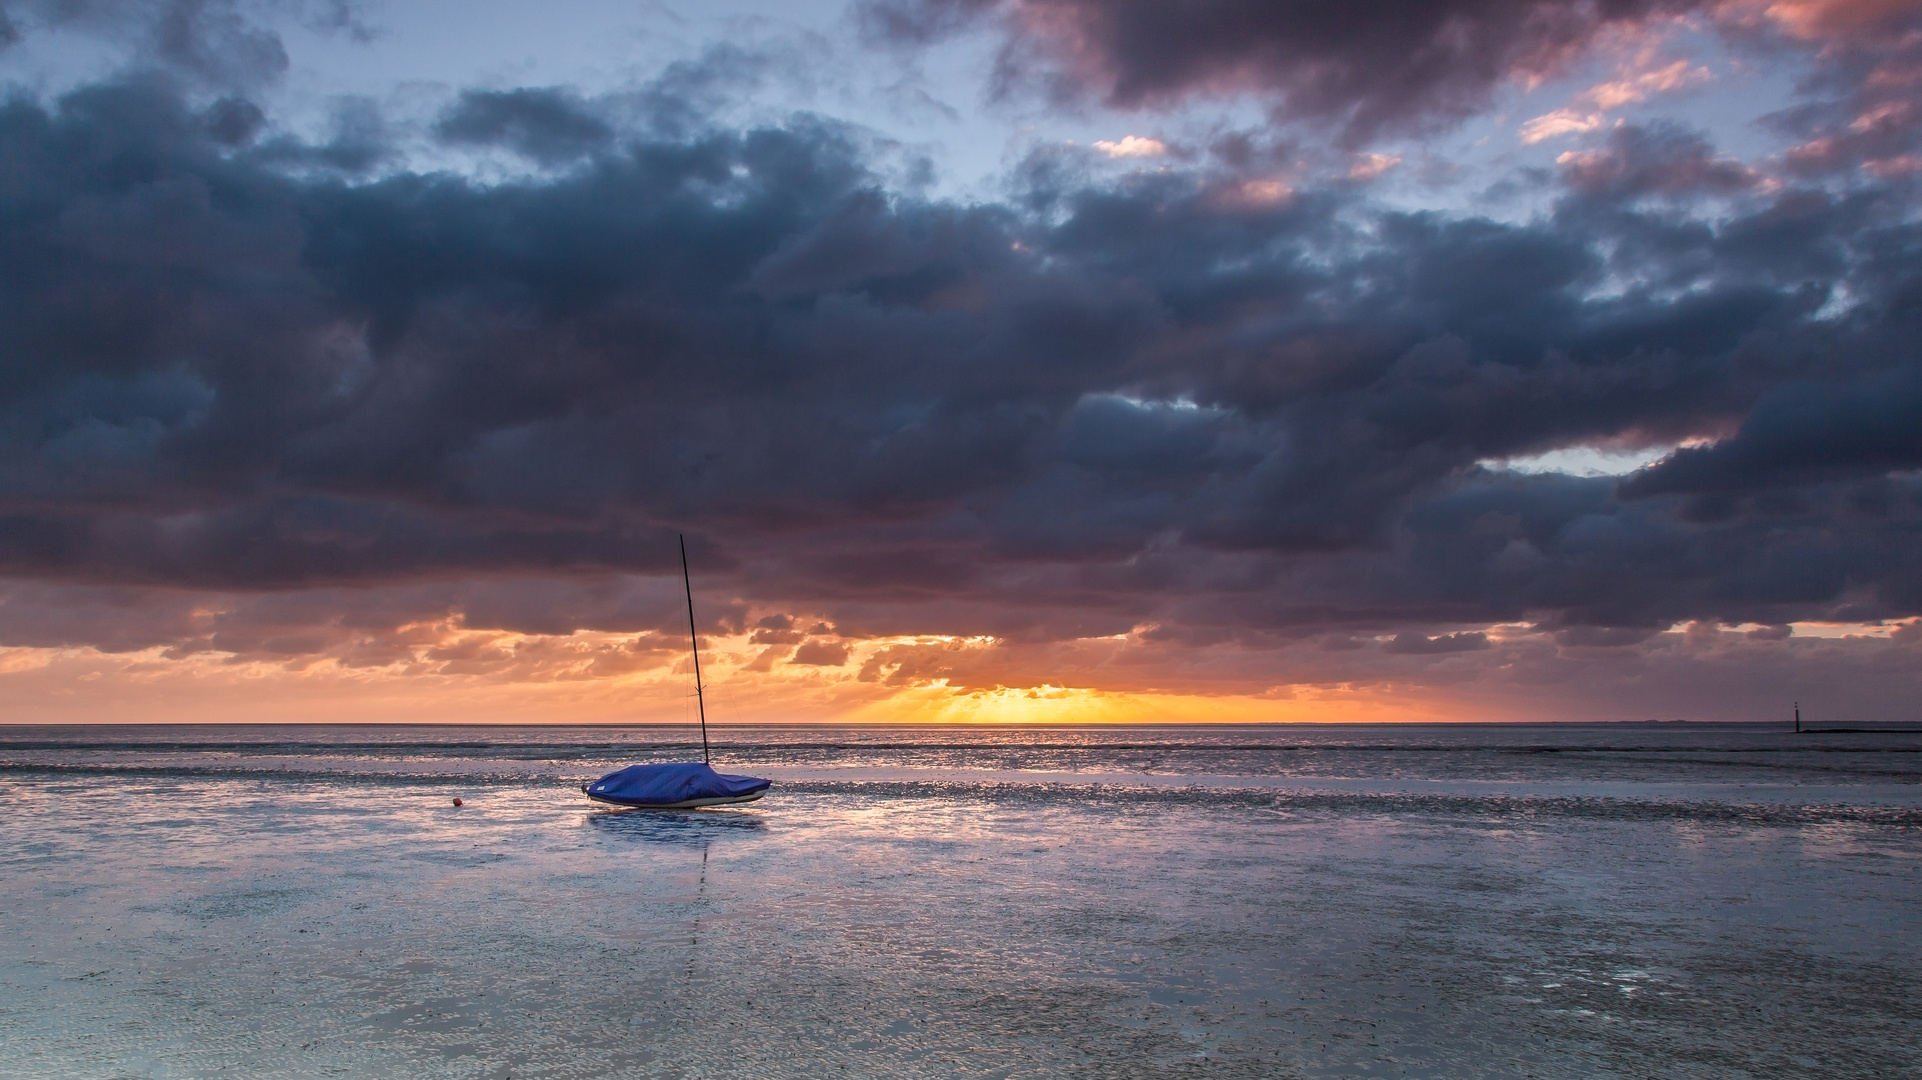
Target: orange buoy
456,802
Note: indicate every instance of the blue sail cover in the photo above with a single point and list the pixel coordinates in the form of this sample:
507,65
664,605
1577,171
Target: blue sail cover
679,783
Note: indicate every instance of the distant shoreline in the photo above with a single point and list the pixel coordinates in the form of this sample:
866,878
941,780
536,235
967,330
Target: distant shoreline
1016,726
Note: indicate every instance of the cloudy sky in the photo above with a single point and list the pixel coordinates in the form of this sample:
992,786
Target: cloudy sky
1026,360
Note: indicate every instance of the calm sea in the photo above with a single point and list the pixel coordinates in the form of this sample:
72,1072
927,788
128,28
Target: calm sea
1684,900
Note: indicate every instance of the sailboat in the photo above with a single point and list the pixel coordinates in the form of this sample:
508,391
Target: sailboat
679,785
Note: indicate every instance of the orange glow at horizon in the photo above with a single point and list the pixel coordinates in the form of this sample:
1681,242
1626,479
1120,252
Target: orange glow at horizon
1060,705
443,674
446,674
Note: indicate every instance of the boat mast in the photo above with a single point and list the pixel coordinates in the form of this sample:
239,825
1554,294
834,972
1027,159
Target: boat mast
699,702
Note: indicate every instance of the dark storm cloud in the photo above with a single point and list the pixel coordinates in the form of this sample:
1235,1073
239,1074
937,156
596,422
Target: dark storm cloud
1234,414
308,540
223,43
123,618
1362,66
1656,159
1800,434
1571,554
1382,68
548,125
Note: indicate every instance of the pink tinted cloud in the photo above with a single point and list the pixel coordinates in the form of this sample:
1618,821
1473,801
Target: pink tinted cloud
1826,21
1376,69
1363,67
1868,68
1645,75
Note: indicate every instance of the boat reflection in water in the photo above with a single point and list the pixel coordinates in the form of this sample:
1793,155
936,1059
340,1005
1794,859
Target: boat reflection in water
692,827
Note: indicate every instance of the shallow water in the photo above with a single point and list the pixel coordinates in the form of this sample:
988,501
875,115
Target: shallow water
1445,901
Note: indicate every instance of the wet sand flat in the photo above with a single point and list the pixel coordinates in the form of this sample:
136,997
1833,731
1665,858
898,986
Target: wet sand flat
316,908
